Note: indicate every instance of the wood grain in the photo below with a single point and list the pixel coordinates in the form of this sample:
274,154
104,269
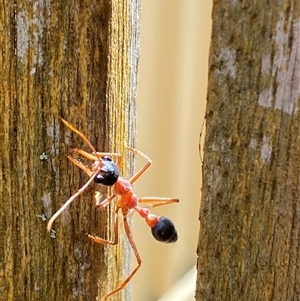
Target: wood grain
70,59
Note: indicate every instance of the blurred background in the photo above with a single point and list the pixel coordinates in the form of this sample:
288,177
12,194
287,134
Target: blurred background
171,100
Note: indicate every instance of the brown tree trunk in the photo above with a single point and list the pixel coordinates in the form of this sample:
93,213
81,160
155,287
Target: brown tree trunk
250,211
75,59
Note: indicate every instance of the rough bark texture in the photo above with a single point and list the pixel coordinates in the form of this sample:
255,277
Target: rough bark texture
250,211
78,60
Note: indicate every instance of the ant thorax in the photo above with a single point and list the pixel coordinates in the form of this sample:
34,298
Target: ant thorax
129,200
122,187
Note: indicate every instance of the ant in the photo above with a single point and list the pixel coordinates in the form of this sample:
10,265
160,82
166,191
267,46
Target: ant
106,172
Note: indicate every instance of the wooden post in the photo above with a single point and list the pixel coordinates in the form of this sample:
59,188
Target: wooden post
78,60
250,218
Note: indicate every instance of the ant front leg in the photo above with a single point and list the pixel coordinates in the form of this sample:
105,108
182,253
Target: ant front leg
144,168
85,139
69,201
81,166
98,155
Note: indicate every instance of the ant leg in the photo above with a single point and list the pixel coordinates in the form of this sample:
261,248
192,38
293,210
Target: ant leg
105,202
138,259
85,154
81,165
97,154
69,201
143,169
93,157
117,155
79,134
157,201
116,233
119,159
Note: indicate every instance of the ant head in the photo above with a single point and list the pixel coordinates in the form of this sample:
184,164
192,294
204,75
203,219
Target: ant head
164,230
109,172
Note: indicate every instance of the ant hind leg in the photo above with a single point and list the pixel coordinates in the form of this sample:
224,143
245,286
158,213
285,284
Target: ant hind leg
138,258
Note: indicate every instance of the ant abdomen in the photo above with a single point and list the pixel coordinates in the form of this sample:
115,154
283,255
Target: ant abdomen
164,230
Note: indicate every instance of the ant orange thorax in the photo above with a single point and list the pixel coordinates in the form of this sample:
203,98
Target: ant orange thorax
124,189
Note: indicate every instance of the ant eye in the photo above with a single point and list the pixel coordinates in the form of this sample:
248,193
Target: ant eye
106,158
164,230
99,179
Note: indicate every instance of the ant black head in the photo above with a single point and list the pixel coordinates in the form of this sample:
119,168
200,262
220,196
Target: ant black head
164,230
109,172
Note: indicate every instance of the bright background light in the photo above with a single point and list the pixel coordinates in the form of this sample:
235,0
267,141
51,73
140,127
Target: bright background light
173,70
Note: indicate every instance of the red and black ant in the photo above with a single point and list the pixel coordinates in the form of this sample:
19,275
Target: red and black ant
104,171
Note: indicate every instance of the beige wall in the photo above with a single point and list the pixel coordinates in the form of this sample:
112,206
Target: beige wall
171,102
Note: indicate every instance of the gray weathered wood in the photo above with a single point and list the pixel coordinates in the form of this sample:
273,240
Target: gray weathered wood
250,211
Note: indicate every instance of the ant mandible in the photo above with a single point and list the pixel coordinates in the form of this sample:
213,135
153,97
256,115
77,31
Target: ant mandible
106,172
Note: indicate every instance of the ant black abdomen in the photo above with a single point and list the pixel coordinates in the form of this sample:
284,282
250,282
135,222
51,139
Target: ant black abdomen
164,230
